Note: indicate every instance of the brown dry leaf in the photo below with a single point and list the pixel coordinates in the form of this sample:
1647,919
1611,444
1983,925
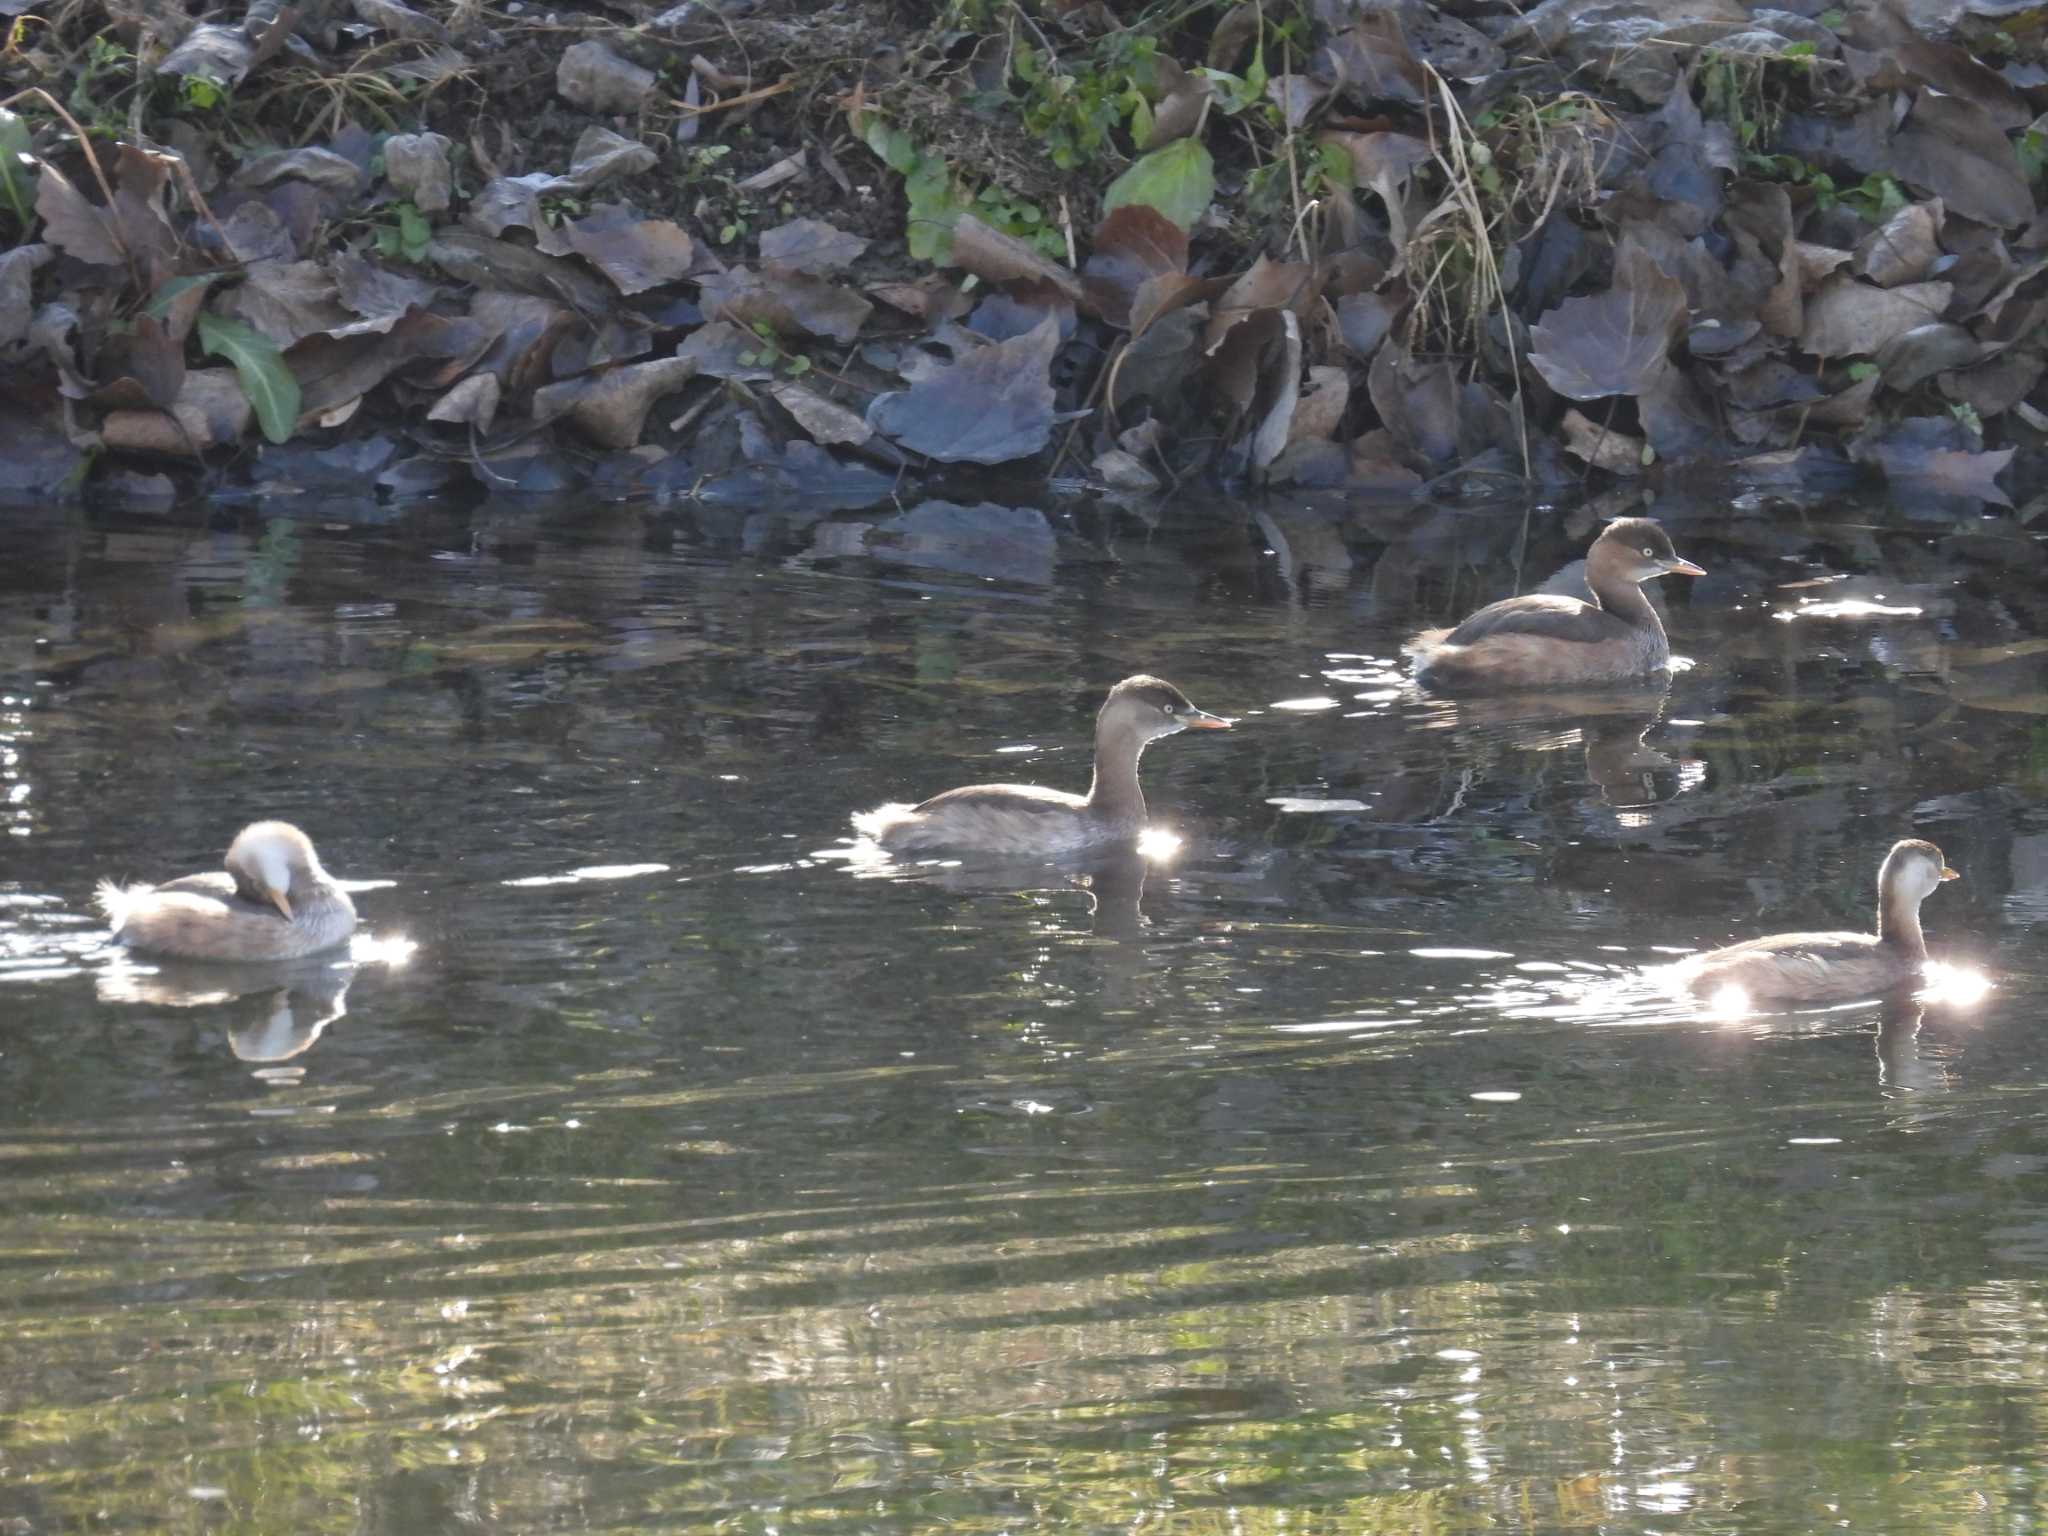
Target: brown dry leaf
1133,243
1616,452
995,257
1677,420
1953,148
1289,285
18,268
223,55
1296,96
211,411
827,421
1911,358
722,350
1153,366
142,179
1386,162
1904,249
591,76
514,202
789,302
1254,375
1933,456
1178,112
1816,262
635,253
1122,471
811,245
1851,318
1363,320
288,301
1613,342
1995,387
933,298
1169,291
1320,411
488,264
377,294
74,224
1758,216
1377,157
992,406
1372,63
317,167
473,401
1419,404
400,20
611,407
1019,307
335,370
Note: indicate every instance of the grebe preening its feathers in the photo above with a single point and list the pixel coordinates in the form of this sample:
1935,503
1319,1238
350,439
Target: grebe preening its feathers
272,901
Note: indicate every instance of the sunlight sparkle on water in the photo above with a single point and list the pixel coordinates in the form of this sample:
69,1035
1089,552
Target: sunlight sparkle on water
593,872
392,949
1729,1003
1158,844
1848,608
1305,706
1956,986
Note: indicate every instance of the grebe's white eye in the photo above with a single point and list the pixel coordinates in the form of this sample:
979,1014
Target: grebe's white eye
1649,553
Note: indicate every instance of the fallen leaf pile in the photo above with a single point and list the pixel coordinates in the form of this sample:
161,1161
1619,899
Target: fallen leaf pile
1384,247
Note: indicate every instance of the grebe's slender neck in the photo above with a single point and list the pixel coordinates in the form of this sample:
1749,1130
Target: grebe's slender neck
1114,791
1898,922
1622,598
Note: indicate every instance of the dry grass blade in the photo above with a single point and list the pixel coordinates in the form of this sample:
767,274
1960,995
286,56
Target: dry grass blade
1460,261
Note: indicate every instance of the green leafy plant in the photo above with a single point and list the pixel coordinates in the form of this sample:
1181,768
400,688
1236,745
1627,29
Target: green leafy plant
406,236
106,70
770,353
17,170
200,93
1072,106
935,195
260,367
1177,179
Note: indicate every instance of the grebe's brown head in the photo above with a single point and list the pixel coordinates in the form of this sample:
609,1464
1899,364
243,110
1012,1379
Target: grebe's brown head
1153,707
1637,549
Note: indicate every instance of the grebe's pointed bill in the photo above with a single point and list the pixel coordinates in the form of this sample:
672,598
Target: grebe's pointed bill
1950,874
1684,568
279,900
1202,720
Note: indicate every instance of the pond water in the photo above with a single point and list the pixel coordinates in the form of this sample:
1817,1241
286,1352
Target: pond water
657,1166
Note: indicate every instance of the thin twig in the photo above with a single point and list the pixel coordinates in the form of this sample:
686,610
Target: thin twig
761,93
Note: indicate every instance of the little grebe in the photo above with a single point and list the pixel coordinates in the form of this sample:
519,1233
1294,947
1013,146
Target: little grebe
1545,641
1024,819
272,902
1812,967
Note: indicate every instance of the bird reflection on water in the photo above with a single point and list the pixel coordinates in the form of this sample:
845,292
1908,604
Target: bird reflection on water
270,1012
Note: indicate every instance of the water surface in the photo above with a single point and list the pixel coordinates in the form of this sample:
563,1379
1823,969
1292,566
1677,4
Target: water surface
1343,1173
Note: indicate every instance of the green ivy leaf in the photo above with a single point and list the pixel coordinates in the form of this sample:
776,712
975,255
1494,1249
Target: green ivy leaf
260,366
17,161
892,146
160,302
936,202
1177,180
